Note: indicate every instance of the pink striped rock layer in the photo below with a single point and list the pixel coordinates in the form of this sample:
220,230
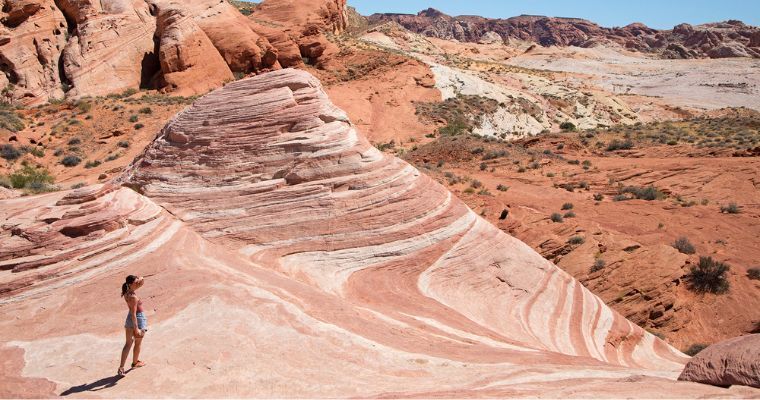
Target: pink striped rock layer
290,258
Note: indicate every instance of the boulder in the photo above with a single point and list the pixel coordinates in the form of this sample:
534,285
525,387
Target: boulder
732,362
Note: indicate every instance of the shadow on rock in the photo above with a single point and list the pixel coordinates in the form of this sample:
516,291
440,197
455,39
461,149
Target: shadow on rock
101,384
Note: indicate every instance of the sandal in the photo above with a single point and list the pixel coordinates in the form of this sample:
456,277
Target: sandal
121,372
138,364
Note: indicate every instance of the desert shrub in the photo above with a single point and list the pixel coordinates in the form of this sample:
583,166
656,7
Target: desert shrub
92,164
550,175
567,126
477,150
598,197
620,197
586,164
484,192
139,126
123,144
683,245
83,106
617,144
5,182
560,146
78,185
709,276
575,240
521,170
599,265
133,118
74,141
9,119
731,208
29,177
569,214
475,184
454,128
146,110
9,152
754,274
469,190
483,166
71,160
574,162
502,188
112,157
567,206
643,193
492,155
694,349
556,217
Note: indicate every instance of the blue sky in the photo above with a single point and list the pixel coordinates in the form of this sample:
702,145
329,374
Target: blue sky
661,14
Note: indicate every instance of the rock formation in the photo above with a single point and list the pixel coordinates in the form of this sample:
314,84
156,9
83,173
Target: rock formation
732,362
294,259
189,62
77,48
719,40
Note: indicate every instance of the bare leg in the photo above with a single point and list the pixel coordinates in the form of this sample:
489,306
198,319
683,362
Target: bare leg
127,346
136,354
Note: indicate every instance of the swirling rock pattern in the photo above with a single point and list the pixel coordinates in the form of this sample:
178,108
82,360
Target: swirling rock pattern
293,259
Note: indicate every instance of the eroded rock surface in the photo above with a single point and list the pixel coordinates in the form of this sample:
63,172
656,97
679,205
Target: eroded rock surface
718,40
291,258
731,362
77,48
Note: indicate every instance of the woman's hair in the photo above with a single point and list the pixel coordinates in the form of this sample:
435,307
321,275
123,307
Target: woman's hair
125,286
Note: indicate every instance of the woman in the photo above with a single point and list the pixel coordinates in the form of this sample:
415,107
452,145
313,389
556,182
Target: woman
136,324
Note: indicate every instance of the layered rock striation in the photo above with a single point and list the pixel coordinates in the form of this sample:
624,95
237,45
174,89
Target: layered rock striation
718,40
290,258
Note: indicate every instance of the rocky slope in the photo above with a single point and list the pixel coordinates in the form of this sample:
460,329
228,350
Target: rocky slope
75,48
288,253
719,40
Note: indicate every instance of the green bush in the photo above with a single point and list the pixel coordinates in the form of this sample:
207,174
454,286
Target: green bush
709,276
123,144
731,208
29,177
598,197
502,188
92,164
556,217
569,214
648,193
567,126
9,152
616,144
133,118
74,141
694,349
575,240
599,265
139,126
9,119
567,206
754,274
71,160
146,110
683,245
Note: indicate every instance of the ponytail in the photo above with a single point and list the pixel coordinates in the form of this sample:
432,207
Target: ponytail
125,286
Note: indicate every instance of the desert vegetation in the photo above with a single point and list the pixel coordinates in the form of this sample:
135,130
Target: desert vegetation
708,276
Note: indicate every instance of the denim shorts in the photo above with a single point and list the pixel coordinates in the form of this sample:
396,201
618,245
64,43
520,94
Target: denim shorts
142,322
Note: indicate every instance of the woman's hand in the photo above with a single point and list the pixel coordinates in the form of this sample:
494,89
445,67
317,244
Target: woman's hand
138,332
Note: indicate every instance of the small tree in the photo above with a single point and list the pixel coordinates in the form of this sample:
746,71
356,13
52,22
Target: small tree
709,276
